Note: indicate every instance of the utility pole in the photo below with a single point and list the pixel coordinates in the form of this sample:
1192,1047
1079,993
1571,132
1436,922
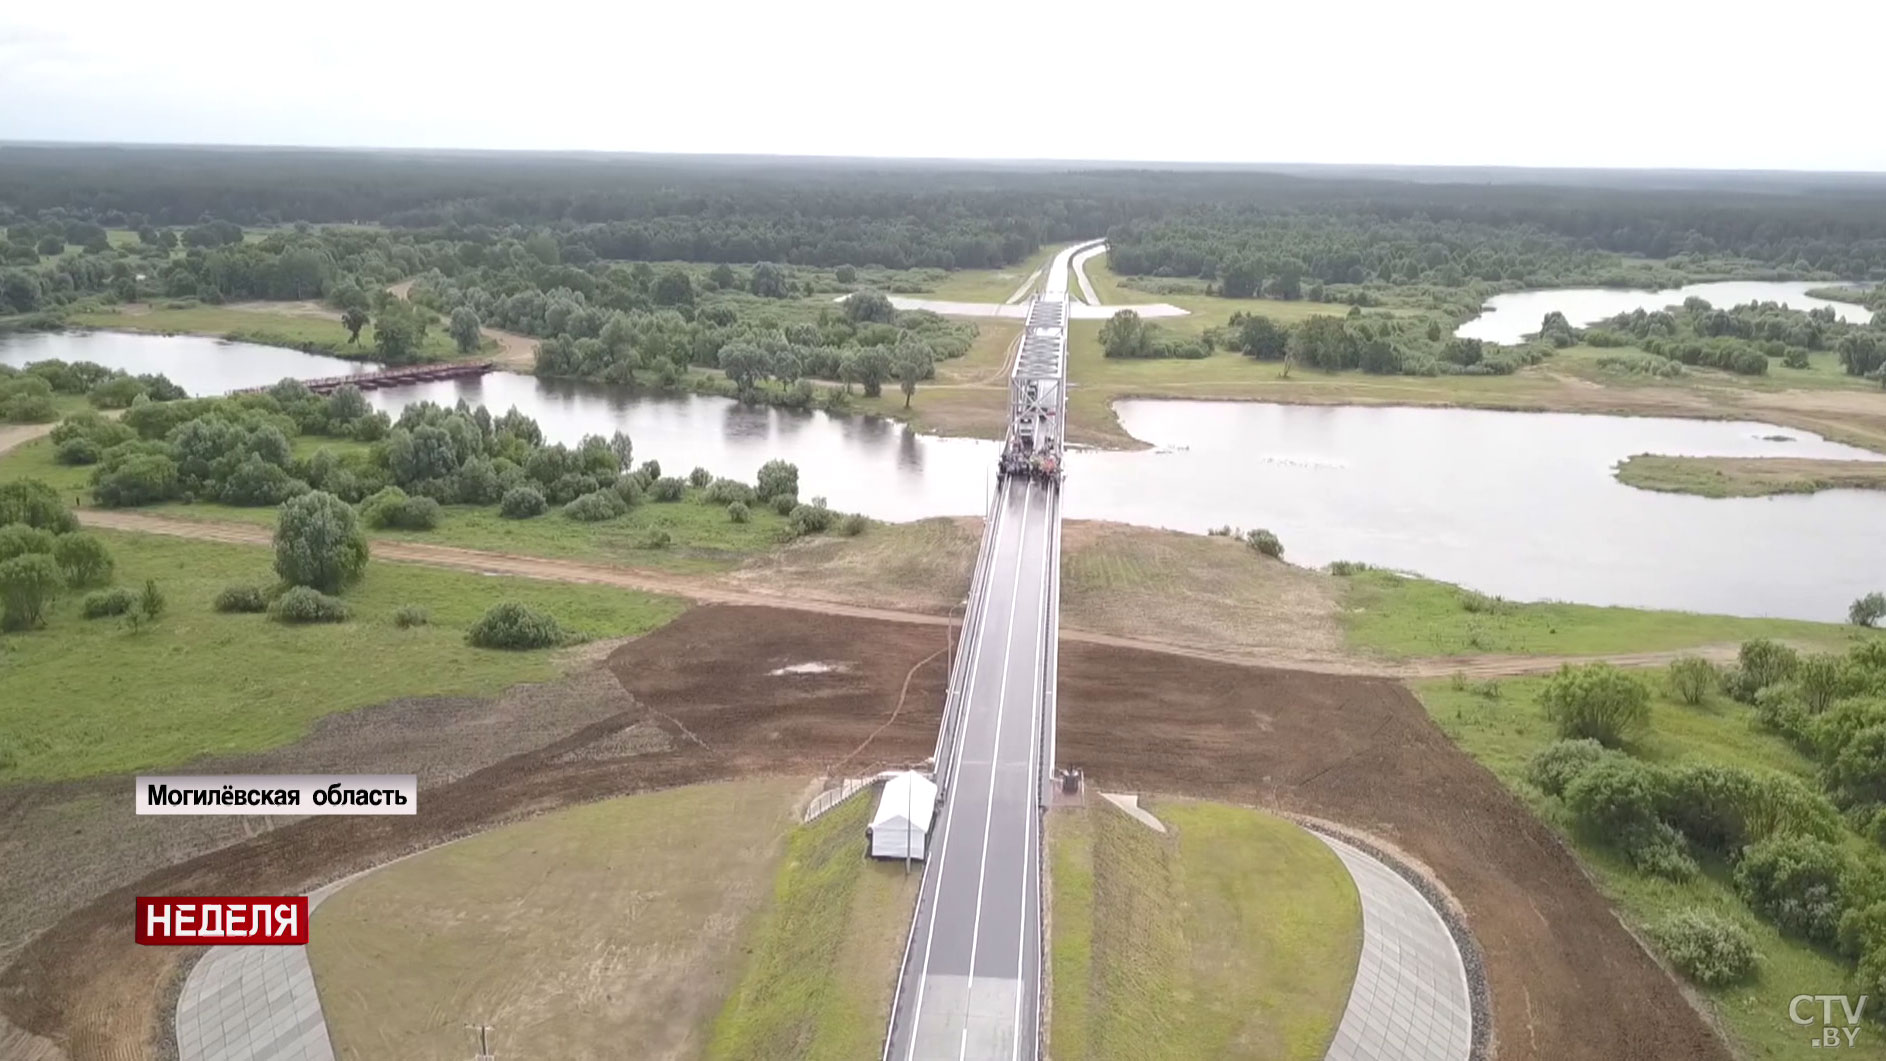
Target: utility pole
484,1046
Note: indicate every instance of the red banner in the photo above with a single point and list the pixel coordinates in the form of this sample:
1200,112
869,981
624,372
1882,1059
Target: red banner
179,921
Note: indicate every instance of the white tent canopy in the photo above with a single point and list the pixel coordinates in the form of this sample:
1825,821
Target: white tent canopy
901,826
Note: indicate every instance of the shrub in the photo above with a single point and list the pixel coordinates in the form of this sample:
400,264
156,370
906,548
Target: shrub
785,503
1560,763
649,471
1795,882
1857,772
1819,678
1597,701
1862,929
1615,794
655,539
28,585
391,507
1725,808
569,487
513,626
411,615
35,504
727,491
1657,849
18,539
83,559
79,450
1766,662
1266,543
853,525
248,599
151,602
1708,949
1480,604
522,502
667,489
304,604
319,543
1345,568
256,482
810,519
1868,610
630,489
737,512
1691,678
107,602
777,478
596,506
140,480
699,478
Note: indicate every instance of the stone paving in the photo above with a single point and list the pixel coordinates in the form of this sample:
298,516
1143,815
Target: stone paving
1410,1000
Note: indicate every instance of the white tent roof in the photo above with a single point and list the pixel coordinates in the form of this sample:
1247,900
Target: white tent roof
907,793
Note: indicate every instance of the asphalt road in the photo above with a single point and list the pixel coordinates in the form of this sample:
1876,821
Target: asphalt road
972,976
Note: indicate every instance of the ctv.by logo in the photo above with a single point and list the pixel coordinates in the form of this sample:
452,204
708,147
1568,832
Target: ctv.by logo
1830,1034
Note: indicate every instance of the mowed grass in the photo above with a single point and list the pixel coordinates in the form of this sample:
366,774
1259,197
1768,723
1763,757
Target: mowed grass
572,934
1234,936
822,964
990,285
1206,311
86,697
1504,732
968,397
298,331
1400,617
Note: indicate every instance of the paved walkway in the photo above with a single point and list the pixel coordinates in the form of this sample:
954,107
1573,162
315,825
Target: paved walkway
254,1004
1410,1000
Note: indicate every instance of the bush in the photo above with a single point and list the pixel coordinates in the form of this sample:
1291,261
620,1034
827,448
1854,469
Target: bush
1345,568
596,506
649,471
411,615
1819,679
1708,949
319,543
151,602
1856,774
35,504
655,539
255,482
630,489
699,478
1725,808
1766,662
1797,883
785,503
737,512
18,539
1657,849
1265,543
107,602
810,519
83,559
392,508
667,489
77,451
303,604
249,599
1862,929
1597,701
1691,678
1615,794
853,525
1558,764
1868,610
140,480
727,491
522,502
513,626
777,478
28,585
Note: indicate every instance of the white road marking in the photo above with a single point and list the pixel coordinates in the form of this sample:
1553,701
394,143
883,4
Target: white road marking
949,820
1029,831
1001,709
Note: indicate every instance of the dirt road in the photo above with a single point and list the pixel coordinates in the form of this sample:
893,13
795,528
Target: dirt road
723,590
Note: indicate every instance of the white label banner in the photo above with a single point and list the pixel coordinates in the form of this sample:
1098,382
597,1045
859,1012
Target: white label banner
279,794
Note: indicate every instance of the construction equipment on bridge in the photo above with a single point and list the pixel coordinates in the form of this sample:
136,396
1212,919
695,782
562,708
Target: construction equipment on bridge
1033,449
901,826
394,377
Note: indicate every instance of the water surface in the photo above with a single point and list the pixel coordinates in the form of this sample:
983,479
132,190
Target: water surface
1511,317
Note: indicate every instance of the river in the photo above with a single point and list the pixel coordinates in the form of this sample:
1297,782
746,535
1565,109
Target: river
1519,504
1511,317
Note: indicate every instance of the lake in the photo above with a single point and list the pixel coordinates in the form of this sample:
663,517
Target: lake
1511,317
1519,504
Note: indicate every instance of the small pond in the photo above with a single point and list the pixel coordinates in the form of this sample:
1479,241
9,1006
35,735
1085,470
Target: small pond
1511,317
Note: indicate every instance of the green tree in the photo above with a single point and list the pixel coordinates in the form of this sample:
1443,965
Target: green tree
674,289
871,366
464,329
319,543
399,334
722,276
28,586
1259,337
870,307
769,281
777,478
744,364
1124,335
1868,610
353,319
83,558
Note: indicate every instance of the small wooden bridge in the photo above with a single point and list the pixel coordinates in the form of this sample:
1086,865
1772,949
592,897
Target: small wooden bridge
395,377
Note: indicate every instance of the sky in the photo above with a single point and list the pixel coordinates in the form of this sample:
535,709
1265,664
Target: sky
1598,83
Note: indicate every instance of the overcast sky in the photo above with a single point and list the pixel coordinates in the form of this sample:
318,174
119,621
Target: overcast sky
1676,83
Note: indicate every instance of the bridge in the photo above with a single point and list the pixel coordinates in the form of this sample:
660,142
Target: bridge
394,377
970,985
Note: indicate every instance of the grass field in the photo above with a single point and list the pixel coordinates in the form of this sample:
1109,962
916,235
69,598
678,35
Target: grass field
991,285
822,965
1748,476
86,697
1502,733
1236,936
968,397
297,331
1206,310
1400,617
572,934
